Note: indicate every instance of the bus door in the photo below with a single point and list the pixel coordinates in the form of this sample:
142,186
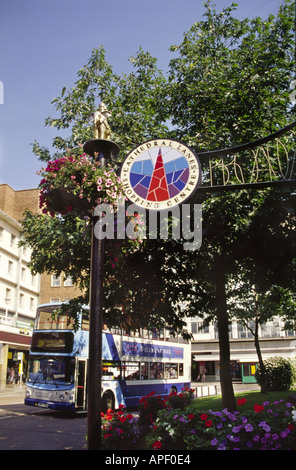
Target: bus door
80,384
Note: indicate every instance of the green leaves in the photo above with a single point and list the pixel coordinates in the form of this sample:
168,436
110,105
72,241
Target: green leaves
228,83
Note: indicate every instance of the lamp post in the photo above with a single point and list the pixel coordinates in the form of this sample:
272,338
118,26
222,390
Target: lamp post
101,149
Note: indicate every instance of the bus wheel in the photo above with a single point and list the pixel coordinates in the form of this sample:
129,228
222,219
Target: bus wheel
108,401
173,390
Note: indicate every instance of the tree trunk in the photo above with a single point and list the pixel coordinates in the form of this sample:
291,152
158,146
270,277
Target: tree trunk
228,398
261,363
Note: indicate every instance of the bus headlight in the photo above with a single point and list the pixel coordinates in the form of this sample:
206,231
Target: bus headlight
65,396
28,393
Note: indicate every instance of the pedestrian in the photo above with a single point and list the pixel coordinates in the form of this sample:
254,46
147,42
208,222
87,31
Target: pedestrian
203,375
11,375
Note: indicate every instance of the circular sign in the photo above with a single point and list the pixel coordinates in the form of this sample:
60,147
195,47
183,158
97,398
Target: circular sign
160,174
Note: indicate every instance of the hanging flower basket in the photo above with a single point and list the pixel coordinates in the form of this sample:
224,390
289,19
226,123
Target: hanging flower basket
77,183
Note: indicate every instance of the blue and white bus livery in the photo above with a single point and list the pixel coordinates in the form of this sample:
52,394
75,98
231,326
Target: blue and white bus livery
132,366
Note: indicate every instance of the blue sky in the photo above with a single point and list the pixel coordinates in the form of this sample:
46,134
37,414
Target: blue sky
43,43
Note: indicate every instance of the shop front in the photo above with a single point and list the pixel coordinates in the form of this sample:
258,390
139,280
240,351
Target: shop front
14,352
248,372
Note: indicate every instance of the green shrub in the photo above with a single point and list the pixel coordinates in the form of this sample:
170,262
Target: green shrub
279,374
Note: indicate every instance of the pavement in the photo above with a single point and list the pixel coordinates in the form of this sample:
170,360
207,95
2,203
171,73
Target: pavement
12,394
237,387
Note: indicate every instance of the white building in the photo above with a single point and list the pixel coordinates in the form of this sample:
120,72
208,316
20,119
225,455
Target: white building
274,341
19,290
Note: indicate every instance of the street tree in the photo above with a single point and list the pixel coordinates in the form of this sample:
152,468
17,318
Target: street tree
228,83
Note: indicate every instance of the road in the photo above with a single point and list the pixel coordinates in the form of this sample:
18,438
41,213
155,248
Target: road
29,428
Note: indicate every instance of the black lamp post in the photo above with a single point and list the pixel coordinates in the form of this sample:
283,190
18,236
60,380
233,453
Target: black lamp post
102,150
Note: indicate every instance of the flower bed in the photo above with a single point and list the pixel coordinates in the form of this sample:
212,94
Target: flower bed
270,426
267,427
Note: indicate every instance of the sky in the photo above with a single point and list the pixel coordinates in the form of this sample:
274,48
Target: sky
43,44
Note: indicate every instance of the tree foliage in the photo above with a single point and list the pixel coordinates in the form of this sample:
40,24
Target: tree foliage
228,83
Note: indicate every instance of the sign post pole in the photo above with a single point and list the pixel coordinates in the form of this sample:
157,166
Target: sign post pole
102,150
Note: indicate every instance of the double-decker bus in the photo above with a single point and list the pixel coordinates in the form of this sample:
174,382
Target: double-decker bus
132,365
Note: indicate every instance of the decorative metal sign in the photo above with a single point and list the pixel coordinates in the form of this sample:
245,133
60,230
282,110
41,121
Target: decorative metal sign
264,162
160,174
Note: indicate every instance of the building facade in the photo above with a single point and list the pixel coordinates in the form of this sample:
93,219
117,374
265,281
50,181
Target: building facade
19,290
57,289
274,341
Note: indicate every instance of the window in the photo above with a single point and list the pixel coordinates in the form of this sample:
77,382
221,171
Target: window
171,371
22,300
249,369
68,281
55,281
8,295
181,370
111,370
144,370
131,370
12,240
156,370
10,267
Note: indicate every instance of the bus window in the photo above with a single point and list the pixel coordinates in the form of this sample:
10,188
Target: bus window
171,371
131,370
156,370
181,370
144,370
111,370
57,370
49,319
85,324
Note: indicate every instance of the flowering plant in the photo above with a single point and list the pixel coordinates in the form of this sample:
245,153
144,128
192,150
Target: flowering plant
77,181
118,430
267,427
180,400
152,403
149,406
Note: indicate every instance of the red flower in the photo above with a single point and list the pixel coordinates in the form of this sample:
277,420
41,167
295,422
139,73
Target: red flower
203,417
209,423
190,416
241,401
122,419
156,445
291,427
258,408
